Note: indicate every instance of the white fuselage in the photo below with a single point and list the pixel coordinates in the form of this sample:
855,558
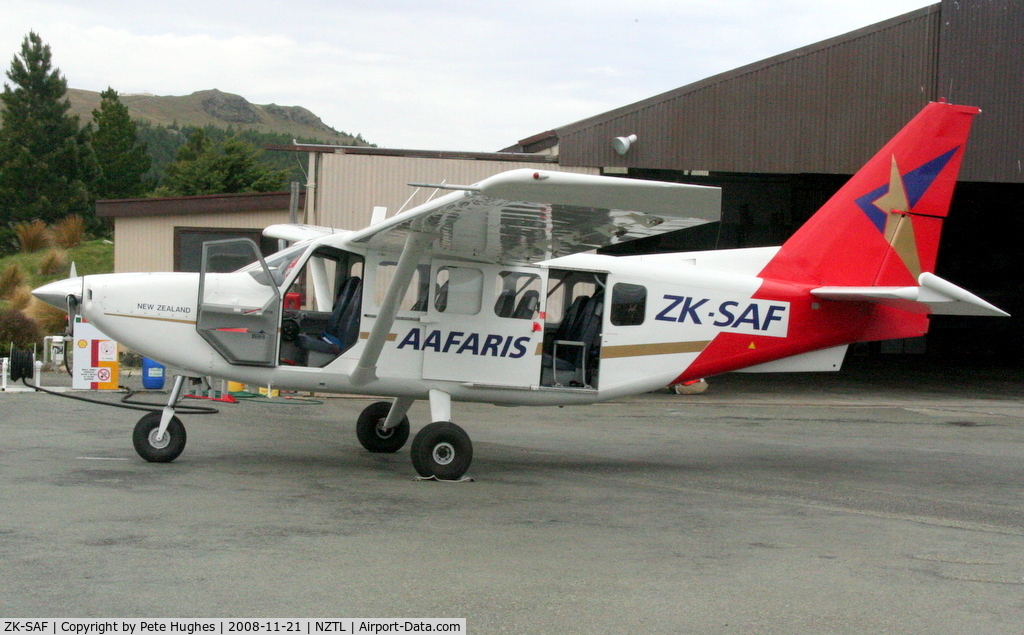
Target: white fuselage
659,313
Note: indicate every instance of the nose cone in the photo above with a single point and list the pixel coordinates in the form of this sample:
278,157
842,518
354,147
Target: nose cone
56,293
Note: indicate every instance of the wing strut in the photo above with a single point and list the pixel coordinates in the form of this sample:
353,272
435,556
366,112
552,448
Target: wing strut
416,243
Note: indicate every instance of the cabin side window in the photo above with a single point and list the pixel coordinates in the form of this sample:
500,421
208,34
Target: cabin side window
518,295
415,298
629,302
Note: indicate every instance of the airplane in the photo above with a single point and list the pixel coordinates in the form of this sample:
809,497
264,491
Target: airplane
492,293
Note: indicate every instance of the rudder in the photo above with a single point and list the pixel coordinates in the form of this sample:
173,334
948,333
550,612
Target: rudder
883,226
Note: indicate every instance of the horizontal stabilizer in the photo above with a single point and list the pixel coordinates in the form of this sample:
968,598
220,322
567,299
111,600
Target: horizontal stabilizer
935,296
296,233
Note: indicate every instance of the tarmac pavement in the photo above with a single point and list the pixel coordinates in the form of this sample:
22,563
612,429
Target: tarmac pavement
852,503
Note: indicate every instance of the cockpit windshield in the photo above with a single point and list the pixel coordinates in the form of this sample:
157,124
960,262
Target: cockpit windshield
280,265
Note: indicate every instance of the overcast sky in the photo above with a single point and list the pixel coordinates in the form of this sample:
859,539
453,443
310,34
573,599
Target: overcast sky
459,75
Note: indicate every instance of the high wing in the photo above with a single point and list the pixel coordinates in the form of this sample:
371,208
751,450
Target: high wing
526,216
298,233
521,217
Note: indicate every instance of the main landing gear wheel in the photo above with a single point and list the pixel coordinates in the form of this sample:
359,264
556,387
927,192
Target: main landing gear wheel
156,450
442,450
376,439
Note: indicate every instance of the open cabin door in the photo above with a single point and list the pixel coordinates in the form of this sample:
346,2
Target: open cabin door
239,313
573,325
482,324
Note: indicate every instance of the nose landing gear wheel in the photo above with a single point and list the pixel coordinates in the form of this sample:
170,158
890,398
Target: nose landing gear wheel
373,437
163,450
442,450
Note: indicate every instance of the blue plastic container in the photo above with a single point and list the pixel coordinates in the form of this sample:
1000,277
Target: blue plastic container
152,374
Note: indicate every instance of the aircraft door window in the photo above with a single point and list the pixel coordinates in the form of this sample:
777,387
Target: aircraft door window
240,320
458,290
629,302
279,265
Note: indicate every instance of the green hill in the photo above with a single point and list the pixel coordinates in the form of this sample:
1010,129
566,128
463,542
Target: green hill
165,123
220,110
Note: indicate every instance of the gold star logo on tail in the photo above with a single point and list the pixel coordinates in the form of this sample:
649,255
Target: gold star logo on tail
899,229
888,207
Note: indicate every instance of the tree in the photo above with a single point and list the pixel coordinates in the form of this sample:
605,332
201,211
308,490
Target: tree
232,167
46,162
122,159
243,172
192,172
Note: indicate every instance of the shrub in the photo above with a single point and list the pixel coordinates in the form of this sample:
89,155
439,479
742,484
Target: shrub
55,261
11,278
16,328
49,319
19,298
32,236
69,231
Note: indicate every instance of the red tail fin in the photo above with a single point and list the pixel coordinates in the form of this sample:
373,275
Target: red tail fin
883,226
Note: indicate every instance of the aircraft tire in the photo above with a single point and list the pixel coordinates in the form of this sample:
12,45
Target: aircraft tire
442,450
164,451
376,440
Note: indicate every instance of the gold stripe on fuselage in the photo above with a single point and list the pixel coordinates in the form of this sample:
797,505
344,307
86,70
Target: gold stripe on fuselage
663,348
365,335
148,317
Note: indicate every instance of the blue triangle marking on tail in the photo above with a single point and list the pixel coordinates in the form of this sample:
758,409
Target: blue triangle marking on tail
916,182
867,204
919,180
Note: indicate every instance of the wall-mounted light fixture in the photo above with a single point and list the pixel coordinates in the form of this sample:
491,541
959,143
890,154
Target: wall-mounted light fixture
622,144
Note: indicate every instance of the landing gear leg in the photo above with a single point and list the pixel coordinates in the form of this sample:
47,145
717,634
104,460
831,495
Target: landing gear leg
159,437
441,449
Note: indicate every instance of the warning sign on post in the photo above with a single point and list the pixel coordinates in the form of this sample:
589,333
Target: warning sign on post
95,362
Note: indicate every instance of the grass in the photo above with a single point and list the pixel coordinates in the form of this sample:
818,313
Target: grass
11,277
54,262
93,256
24,318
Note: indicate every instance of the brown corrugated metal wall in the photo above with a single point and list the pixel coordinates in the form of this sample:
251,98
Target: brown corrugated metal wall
824,108
981,62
